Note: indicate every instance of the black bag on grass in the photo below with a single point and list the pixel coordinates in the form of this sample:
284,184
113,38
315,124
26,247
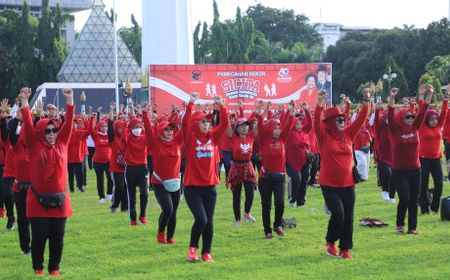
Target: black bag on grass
445,209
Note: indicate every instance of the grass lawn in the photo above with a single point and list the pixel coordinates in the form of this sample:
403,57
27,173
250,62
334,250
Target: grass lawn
99,245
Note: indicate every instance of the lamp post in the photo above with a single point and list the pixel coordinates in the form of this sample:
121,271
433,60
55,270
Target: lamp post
389,76
116,63
83,102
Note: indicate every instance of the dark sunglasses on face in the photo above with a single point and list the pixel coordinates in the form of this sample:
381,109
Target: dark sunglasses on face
409,117
51,130
169,128
340,120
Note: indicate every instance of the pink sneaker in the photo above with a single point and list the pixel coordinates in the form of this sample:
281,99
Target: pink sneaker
171,241
279,231
345,254
161,237
54,273
192,254
206,257
143,220
38,272
133,223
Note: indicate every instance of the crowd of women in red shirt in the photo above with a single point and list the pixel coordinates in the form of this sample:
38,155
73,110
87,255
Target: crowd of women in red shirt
181,153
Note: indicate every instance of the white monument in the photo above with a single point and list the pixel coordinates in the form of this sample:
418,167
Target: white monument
166,32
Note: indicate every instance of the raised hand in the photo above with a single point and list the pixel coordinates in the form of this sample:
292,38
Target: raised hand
430,91
322,98
145,107
394,91
422,89
112,106
4,104
218,100
194,97
39,107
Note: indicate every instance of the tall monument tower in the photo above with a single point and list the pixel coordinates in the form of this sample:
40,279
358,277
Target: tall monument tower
166,32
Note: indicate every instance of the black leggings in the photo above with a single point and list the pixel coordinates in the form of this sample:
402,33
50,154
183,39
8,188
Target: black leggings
385,178
91,152
202,202
168,201
120,194
75,170
407,183
299,181
266,188
434,167
341,203
315,167
8,196
101,170
42,229
136,176
249,195
1,185
20,199
84,169
226,160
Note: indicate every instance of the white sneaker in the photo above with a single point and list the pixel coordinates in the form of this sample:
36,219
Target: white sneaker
102,200
385,196
392,200
108,197
237,223
326,210
249,217
292,204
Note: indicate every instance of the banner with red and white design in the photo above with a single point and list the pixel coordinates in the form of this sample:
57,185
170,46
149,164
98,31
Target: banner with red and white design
278,83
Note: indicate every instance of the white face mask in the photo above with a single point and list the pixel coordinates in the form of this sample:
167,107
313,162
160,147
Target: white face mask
18,129
136,131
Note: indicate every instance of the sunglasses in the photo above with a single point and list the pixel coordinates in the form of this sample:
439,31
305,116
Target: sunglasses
409,117
340,120
169,128
51,130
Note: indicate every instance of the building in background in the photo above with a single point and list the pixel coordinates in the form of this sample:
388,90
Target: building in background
67,6
332,32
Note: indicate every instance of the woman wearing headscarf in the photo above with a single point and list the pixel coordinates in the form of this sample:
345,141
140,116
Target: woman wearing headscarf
335,139
201,175
403,127
48,145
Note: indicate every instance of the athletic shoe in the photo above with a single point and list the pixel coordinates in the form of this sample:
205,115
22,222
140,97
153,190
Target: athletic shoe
249,217
143,220
112,210
400,229
11,223
38,272
26,252
237,223
331,249
2,212
123,210
108,197
171,241
102,200
133,223
54,273
392,200
81,189
161,237
206,257
192,254
413,232
345,254
279,231
268,236
385,196
326,210
292,204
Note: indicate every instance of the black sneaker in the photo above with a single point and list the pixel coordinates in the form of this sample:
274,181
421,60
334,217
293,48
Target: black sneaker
26,252
81,189
113,210
11,223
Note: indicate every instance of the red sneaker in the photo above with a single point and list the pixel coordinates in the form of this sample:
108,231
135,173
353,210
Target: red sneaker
345,254
400,229
161,237
413,232
2,212
192,254
206,257
38,272
143,220
54,273
171,241
331,249
133,223
279,231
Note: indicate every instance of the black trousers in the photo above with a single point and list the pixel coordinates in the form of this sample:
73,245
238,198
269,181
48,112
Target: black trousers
249,195
101,170
385,178
150,170
8,196
434,167
266,188
226,160
84,169
136,176
168,201
407,183
75,170
202,203
120,195
341,203
91,152
42,229
315,167
1,185
20,199
299,182
256,161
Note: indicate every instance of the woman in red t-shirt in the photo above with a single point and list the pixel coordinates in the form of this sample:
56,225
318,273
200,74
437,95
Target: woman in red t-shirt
241,171
48,146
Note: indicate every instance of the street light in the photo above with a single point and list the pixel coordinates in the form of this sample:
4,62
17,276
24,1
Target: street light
389,77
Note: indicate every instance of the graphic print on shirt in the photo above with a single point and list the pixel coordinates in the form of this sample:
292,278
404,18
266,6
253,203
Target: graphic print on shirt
245,148
204,150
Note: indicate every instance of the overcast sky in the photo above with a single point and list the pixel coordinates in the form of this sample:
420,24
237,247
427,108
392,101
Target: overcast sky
361,13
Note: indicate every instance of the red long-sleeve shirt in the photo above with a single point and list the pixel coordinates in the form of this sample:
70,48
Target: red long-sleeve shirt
136,146
242,146
297,144
336,156
202,150
76,148
102,152
431,137
48,164
383,145
405,139
118,145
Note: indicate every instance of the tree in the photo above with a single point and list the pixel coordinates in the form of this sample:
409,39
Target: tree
267,52
132,38
439,68
426,78
399,82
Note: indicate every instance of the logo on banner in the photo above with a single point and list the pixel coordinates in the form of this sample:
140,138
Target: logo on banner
284,76
196,75
241,88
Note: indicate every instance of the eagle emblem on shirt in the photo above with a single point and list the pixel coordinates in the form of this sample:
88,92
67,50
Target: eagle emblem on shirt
245,148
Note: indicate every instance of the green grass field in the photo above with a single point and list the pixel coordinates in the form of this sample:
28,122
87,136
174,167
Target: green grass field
99,245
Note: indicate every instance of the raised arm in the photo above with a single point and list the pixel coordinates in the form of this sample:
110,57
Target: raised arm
186,124
418,121
308,121
30,133
318,127
353,128
443,113
149,131
67,126
224,120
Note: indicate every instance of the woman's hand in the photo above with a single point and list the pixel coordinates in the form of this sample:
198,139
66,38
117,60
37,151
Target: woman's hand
68,94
